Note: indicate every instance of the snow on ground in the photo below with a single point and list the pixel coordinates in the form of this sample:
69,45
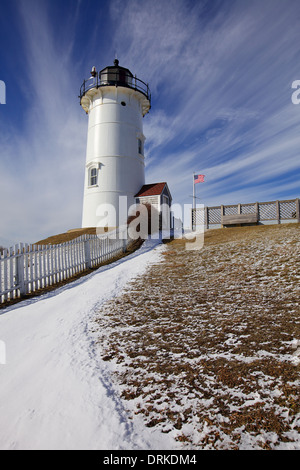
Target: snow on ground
55,390
200,351
208,350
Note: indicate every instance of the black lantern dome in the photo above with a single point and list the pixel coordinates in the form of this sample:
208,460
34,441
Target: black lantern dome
118,76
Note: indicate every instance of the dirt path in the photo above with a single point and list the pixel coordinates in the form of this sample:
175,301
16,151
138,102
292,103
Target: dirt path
205,345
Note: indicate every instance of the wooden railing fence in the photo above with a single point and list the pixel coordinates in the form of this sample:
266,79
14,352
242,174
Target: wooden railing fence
267,212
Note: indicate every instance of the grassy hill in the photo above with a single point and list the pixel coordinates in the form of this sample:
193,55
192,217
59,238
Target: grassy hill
67,236
209,347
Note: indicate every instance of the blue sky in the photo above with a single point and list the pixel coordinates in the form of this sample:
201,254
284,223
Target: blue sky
220,73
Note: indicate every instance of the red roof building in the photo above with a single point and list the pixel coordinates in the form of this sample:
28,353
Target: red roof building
159,196
154,189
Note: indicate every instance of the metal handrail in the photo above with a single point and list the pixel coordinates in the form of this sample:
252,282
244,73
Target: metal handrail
116,78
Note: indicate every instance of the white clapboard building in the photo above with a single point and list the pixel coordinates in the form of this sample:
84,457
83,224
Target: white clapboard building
159,197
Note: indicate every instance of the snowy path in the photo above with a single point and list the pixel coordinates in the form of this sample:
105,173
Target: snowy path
55,392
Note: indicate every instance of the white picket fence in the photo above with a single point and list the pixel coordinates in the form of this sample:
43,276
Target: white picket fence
25,268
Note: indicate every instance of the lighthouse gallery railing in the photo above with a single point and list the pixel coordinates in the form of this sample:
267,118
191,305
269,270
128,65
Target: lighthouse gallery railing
111,78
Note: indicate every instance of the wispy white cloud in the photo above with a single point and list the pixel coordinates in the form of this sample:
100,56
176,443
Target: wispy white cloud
222,92
42,167
220,74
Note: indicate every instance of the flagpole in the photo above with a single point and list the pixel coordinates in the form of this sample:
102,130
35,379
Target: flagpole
194,205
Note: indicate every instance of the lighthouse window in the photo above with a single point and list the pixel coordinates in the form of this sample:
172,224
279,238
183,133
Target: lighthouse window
140,147
93,177
123,103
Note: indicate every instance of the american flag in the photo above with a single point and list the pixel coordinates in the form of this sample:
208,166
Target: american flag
198,179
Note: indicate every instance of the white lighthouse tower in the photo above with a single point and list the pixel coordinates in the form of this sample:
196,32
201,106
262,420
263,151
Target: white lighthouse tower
116,103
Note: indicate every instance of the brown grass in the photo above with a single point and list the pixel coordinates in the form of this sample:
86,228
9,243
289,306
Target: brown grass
203,339
67,236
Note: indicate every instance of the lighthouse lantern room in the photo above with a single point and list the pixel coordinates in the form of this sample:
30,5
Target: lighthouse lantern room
116,102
